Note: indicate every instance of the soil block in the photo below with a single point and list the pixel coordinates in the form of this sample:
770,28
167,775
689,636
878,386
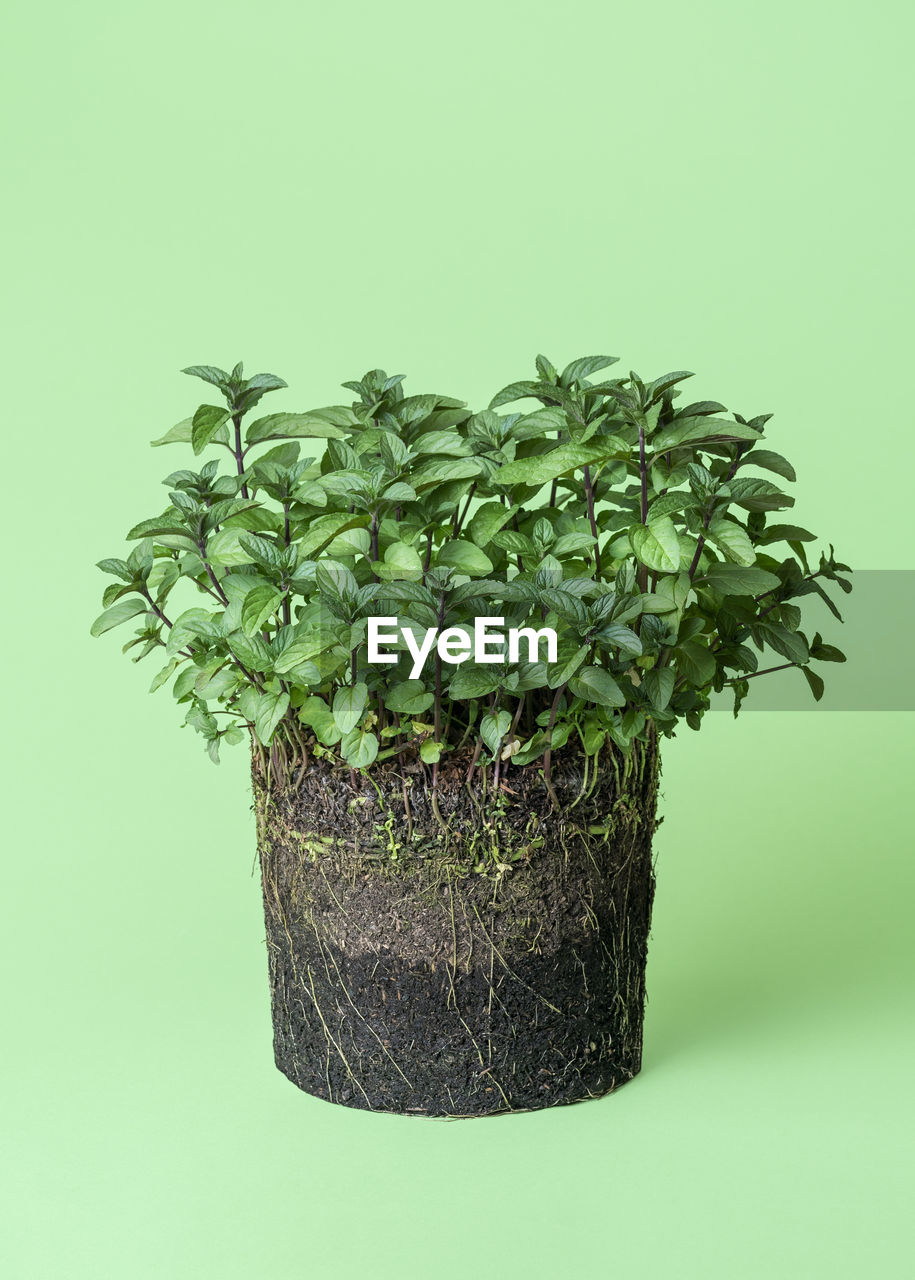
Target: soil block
462,953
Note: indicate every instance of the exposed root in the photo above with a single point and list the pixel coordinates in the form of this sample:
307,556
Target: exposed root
498,969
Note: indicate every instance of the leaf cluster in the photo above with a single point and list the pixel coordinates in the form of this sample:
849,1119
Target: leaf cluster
650,536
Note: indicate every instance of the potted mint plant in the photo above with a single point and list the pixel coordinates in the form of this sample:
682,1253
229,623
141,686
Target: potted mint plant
454,641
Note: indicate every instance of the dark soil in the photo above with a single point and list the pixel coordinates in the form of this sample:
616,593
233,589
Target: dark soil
491,961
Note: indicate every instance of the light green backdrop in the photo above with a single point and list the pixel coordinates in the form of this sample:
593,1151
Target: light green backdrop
444,191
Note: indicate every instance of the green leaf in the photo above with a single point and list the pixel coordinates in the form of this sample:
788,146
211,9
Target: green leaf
206,422
790,644
209,373
568,544
259,605
215,682
399,492
825,652
473,682
564,459
785,533
349,705
270,709
816,683
199,718
123,611
352,542
514,391
593,736
184,684
541,422
769,461
657,602
739,580
265,382
656,544
285,426
565,605
162,676
659,686
693,430
670,503
488,520
532,749
731,538
191,625
409,698
118,568
336,580
560,672
401,561
584,367
304,649
254,652
225,548
440,471
160,526
444,444
595,685
360,749
465,558
262,551
757,495
614,634
515,543
180,433
430,751
323,529
658,386
695,663
339,415
318,716
494,728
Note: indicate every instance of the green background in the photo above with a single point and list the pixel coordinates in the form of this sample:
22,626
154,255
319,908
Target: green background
444,191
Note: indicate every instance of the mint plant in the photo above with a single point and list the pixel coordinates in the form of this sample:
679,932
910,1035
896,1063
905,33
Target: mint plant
454,639
649,536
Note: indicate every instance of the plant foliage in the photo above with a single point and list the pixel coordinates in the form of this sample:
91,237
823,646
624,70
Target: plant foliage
652,538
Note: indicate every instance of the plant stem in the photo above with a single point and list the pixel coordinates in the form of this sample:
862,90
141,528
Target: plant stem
694,563
768,671
239,452
548,756
215,581
643,476
518,712
589,498
438,672
555,485
476,755
643,506
155,608
254,678
459,520
287,608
